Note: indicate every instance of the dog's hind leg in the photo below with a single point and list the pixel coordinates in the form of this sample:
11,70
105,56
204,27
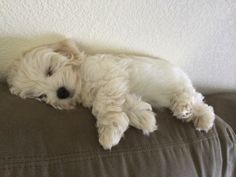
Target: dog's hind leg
140,114
203,115
189,106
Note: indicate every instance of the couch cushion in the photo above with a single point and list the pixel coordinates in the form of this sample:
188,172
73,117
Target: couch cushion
37,140
225,107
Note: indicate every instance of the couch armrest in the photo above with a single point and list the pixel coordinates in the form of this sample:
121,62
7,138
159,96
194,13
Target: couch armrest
225,106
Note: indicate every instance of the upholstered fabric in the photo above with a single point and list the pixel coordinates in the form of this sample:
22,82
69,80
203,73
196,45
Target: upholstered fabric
39,141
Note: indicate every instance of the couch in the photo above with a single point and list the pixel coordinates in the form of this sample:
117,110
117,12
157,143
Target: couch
39,141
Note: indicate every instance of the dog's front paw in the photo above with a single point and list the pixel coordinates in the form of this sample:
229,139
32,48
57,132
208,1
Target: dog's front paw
111,128
140,114
144,120
109,137
203,120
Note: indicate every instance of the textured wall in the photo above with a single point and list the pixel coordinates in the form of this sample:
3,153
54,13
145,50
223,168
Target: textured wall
198,35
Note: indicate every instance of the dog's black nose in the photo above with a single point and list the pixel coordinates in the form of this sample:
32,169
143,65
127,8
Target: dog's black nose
63,93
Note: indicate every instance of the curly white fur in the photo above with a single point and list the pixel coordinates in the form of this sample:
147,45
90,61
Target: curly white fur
120,89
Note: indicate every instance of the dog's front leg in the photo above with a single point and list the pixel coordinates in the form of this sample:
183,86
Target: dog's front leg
112,121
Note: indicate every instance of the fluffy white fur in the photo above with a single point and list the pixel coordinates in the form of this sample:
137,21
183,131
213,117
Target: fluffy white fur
120,89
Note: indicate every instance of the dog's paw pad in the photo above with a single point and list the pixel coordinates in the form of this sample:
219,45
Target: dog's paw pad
183,111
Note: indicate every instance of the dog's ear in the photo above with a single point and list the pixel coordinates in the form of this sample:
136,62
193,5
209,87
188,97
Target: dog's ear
67,48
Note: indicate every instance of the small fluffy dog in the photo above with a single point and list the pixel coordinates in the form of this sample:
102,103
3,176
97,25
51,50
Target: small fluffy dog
120,89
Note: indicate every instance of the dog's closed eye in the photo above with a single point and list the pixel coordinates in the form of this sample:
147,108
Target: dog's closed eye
49,72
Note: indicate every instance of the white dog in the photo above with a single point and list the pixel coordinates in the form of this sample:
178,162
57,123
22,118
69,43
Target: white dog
120,89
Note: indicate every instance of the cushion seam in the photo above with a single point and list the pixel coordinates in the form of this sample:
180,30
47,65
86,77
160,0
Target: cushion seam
132,151
85,153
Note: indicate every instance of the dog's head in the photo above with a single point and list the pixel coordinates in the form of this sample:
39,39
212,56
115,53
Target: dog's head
48,73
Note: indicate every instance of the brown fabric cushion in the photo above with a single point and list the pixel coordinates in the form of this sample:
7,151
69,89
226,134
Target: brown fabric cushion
39,141
225,107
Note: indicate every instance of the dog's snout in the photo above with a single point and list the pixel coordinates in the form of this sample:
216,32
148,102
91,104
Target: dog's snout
63,93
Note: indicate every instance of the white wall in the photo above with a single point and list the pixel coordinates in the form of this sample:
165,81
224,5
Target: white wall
198,35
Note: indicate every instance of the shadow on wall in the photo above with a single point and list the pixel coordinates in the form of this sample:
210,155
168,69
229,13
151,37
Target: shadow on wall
12,47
